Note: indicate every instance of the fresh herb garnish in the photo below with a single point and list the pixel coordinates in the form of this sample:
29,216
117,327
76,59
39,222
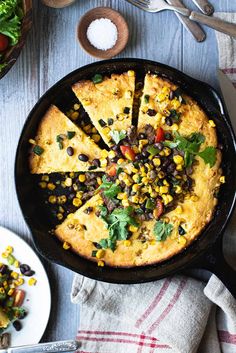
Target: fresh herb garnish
190,146
97,78
153,150
162,230
109,189
146,98
59,140
174,115
70,134
117,224
94,253
117,136
38,150
11,14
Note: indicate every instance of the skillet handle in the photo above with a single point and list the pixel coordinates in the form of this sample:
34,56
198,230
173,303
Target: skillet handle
214,261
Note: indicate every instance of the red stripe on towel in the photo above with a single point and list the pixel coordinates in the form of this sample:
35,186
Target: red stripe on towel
141,341
229,70
125,341
116,333
154,303
169,307
227,337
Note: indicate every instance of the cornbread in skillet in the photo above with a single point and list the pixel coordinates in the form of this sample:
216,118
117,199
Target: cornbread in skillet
108,103
56,133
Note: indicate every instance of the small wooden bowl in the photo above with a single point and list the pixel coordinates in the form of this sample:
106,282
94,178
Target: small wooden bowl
12,53
116,18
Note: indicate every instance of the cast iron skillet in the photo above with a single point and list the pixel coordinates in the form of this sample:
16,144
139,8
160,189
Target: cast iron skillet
205,252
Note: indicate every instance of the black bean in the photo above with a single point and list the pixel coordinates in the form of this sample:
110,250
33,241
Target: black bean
115,148
171,95
126,110
96,162
153,174
145,154
3,269
17,325
141,136
181,230
114,160
169,121
97,245
165,163
22,315
168,136
138,157
171,168
110,121
88,210
71,196
151,112
70,151
29,273
24,268
159,145
82,157
102,123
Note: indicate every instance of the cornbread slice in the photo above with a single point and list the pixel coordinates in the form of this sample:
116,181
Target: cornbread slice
4,321
53,141
109,104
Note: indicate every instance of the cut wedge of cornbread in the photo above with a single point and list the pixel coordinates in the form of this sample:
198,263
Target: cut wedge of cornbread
109,103
61,146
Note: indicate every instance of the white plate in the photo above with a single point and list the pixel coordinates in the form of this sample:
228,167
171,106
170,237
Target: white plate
38,298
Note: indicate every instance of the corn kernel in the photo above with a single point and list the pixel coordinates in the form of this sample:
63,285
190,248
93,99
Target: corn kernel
77,202
165,182
88,128
66,246
222,179
101,263
122,196
51,186
82,178
87,101
125,203
111,154
187,196
68,182
179,167
4,255
135,149
142,143
9,249
157,162
194,198
99,180
211,123
179,209
175,103
59,216
145,245
10,292
178,189
16,264
106,130
152,242
74,115
135,199
52,199
131,73
135,187
127,243
32,141
145,180
121,116
167,151
169,198
120,161
182,240
19,282
103,162
61,199
104,154
161,175
133,228
178,159
157,188
94,130
76,106
14,275
100,253
43,184
32,281
96,137
45,178
175,127
128,94
164,189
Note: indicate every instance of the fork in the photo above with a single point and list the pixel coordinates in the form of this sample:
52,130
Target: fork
161,5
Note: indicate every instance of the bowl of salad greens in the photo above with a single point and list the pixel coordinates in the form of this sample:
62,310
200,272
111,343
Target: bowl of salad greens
15,23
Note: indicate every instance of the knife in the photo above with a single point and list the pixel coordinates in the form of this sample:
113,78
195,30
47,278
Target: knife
229,94
204,6
193,27
50,347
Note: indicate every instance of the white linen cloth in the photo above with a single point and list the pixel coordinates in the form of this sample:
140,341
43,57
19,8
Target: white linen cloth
178,314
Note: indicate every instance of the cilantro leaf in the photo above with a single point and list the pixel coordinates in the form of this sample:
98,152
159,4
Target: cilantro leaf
174,115
208,155
162,230
117,136
110,189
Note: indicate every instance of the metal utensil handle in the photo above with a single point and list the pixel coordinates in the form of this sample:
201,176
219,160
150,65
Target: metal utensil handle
205,6
191,26
50,347
215,23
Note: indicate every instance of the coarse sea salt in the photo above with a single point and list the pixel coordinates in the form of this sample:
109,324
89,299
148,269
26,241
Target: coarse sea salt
102,33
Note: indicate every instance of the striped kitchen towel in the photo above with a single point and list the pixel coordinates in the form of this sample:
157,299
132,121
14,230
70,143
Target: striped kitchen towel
179,314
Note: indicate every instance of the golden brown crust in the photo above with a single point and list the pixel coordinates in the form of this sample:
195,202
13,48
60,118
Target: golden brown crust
107,100
53,159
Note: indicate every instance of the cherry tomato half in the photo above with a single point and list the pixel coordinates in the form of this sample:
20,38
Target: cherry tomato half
159,209
127,152
4,42
111,170
160,135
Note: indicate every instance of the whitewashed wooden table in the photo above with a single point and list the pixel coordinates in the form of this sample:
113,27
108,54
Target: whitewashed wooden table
51,52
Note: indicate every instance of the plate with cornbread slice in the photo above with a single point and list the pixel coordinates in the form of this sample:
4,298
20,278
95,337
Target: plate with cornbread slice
148,188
